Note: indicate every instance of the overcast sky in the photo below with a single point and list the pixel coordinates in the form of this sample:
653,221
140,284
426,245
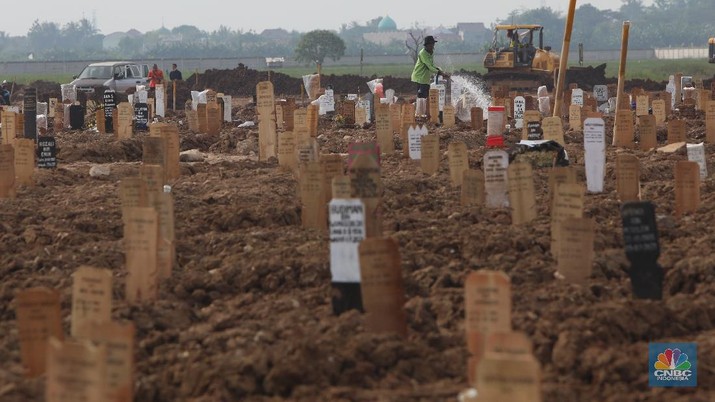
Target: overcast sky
112,16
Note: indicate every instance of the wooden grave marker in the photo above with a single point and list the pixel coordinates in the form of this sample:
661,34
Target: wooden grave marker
214,119
332,166
125,128
623,129
553,129
287,156
117,338
289,114
502,377
132,193
710,121
341,187
311,120
38,318
575,117
448,116
76,371
495,167
383,293
433,102
383,127
522,197
9,127
360,116
347,110
7,171
487,308
477,118
648,132
677,131
166,249
687,187
458,160
559,175
170,134
24,161
265,107
659,111
91,299
395,120
472,188
141,236
594,138
430,155
313,211
628,177
642,103
576,249
367,185
568,203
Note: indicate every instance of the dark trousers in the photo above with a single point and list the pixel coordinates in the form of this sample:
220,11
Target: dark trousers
423,90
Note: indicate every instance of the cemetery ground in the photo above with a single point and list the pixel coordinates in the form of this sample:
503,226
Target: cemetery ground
246,313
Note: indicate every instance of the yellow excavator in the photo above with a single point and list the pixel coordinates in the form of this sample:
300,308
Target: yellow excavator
711,50
517,58
518,61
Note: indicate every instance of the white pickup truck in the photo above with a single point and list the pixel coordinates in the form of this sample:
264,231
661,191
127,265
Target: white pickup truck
116,75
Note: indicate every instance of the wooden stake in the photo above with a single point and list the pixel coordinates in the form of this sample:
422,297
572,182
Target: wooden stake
174,94
622,72
563,64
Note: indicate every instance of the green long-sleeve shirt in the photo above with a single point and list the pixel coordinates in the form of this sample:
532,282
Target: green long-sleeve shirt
424,67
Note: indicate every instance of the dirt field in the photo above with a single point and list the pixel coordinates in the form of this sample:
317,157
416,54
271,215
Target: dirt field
246,315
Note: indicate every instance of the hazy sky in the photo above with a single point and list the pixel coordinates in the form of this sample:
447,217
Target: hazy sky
112,16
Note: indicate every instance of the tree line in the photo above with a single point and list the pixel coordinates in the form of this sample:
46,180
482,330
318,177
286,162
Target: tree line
665,23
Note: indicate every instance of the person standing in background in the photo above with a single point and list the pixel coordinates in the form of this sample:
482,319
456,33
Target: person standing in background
156,77
175,74
424,68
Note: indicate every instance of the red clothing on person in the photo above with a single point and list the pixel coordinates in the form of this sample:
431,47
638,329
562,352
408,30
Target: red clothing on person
155,77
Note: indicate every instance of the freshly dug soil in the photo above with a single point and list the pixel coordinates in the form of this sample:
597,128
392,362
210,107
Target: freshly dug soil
246,314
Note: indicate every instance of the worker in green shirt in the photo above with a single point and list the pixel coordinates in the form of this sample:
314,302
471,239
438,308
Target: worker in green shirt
424,68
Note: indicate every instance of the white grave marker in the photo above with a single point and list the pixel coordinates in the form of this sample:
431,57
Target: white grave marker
496,163
347,230
159,109
696,153
414,139
442,94
600,92
327,102
227,111
519,109
594,141
577,96
390,96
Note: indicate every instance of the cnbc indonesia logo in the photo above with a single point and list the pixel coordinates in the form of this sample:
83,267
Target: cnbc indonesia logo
673,366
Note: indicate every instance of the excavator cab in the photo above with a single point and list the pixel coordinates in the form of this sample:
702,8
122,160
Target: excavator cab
518,58
711,50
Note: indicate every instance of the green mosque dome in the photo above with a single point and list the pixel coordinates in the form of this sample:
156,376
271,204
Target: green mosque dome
387,24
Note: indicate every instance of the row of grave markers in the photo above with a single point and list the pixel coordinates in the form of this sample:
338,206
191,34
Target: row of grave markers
97,362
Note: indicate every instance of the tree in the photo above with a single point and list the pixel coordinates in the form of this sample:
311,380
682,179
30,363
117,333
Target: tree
413,44
316,45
